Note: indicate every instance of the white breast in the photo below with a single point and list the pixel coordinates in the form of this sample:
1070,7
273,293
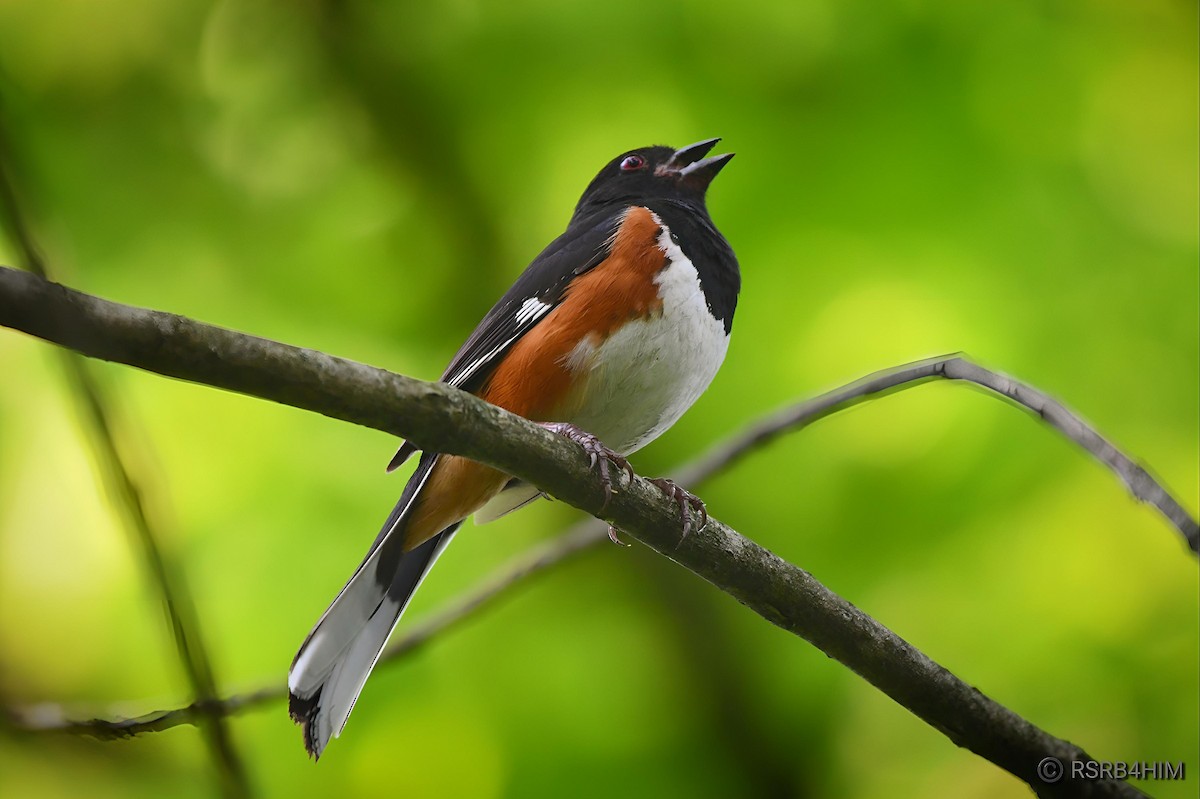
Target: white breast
641,379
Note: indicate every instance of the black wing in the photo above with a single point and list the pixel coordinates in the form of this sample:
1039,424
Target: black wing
538,291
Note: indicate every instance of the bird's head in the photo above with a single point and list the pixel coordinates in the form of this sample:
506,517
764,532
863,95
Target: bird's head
649,173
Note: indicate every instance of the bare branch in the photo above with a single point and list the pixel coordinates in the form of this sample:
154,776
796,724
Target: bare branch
1139,481
579,538
98,412
443,419
582,536
50,718
179,347
957,367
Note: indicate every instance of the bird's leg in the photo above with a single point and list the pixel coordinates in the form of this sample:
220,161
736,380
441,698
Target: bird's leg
690,505
599,455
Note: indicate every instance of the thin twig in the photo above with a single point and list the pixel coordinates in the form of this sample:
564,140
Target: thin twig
581,536
1137,479
97,411
442,419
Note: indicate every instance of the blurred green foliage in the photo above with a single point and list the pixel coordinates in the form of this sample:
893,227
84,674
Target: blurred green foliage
1016,180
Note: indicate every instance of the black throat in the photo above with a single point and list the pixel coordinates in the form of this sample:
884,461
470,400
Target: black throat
693,230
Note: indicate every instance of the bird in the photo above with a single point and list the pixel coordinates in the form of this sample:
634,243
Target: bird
609,335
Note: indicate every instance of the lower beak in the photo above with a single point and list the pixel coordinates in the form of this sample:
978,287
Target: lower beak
695,170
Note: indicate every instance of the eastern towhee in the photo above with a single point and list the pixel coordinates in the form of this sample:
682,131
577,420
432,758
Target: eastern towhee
613,331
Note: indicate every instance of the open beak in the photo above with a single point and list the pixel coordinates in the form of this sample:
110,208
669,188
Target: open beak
690,166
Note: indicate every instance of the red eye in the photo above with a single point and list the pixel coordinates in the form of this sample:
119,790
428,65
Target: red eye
632,163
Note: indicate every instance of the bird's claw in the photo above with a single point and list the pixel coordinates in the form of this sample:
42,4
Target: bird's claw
690,505
599,458
612,536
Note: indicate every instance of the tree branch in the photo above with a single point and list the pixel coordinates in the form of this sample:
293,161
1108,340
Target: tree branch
443,419
97,410
579,538
1137,479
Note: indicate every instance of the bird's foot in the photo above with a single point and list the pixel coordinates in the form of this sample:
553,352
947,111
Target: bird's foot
690,505
612,536
599,457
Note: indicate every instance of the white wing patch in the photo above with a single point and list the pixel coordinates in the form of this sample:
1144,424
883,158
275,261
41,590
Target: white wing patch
530,311
474,365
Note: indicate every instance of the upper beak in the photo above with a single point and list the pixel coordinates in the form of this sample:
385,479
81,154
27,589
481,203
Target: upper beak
689,164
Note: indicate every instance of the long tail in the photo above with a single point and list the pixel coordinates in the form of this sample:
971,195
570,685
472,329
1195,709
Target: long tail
333,663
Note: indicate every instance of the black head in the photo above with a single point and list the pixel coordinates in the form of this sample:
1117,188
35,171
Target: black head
650,173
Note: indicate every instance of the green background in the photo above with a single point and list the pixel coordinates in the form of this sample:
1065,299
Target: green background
1016,180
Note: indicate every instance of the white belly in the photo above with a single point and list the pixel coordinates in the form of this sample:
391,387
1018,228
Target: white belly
641,379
